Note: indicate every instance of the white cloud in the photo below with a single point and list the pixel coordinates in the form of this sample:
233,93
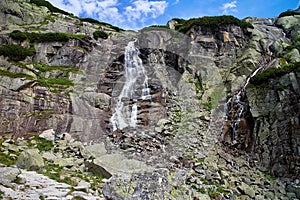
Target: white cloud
111,11
176,2
229,7
143,9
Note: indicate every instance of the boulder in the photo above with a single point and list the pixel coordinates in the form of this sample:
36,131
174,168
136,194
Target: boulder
95,151
48,134
30,159
8,175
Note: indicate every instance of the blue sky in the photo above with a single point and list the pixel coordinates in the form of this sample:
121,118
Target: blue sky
135,14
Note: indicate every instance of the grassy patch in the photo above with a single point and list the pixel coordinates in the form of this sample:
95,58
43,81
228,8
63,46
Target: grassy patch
288,13
45,37
49,6
41,143
16,52
272,73
208,105
46,68
100,34
53,82
212,22
93,21
15,74
6,159
212,193
177,115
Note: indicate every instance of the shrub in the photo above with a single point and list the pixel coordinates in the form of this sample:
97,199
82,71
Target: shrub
18,35
16,52
288,13
51,82
100,34
45,37
49,6
271,73
94,21
15,74
212,22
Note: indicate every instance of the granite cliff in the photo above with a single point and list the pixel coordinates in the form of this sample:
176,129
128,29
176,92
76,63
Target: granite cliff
214,113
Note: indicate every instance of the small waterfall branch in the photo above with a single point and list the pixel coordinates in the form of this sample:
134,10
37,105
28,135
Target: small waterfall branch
237,129
135,88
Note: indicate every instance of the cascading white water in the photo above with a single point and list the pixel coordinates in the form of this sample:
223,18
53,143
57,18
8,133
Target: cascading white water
135,77
235,107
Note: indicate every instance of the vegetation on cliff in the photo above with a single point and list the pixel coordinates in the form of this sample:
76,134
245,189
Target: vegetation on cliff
49,6
100,34
45,37
94,21
288,13
16,52
212,22
271,73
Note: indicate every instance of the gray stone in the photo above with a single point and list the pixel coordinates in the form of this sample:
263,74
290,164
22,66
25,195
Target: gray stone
30,159
48,134
117,163
8,175
94,151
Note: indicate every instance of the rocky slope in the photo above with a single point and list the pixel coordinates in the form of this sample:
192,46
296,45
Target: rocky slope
66,73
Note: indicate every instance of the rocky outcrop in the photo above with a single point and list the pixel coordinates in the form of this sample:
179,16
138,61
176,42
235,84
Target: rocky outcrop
275,108
73,86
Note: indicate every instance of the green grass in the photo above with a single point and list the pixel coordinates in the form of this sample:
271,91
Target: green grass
46,68
49,6
288,13
6,159
53,82
100,34
93,21
41,143
45,37
272,73
213,22
177,115
16,52
15,74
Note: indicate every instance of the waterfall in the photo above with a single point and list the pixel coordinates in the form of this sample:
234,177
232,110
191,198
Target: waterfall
238,118
135,78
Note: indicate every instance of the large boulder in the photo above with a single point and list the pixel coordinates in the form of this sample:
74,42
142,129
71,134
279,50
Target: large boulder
30,159
8,175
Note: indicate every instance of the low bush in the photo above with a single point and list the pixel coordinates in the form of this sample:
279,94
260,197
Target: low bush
288,13
271,73
52,82
100,34
213,22
15,74
94,21
49,6
45,37
16,52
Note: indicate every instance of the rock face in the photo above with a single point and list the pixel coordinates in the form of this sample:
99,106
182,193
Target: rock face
72,85
275,108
